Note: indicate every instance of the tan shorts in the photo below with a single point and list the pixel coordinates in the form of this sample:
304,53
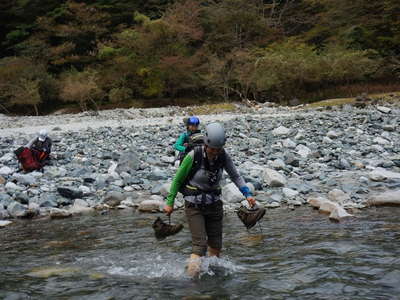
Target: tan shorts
205,224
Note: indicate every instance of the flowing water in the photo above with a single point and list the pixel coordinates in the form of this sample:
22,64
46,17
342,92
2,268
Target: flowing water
299,254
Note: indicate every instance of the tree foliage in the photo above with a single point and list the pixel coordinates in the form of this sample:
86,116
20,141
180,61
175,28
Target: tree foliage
101,51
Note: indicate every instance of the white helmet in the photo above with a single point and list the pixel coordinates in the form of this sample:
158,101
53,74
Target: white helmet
42,135
215,135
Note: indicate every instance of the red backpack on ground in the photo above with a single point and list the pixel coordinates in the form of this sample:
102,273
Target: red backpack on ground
27,159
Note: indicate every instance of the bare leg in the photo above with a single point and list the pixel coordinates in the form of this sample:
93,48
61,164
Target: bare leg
193,267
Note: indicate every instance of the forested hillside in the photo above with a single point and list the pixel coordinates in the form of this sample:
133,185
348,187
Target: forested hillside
110,52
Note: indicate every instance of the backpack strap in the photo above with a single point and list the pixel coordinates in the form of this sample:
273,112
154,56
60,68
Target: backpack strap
197,160
196,165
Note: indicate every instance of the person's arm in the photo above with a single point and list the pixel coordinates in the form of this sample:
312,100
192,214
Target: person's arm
29,145
179,143
179,178
237,179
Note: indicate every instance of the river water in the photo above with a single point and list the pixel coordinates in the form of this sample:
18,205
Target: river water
298,254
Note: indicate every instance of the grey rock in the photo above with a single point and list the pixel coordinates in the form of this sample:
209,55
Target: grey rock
273,178
280,131
6,170
128,162
69,193
25,179
114,199
17,210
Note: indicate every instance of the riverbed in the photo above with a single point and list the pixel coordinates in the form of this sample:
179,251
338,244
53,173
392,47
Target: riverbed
294,254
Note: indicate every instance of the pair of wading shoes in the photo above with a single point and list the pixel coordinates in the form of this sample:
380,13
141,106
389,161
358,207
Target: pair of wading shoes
250,217
162,229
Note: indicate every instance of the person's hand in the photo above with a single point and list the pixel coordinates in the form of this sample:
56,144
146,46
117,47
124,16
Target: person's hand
168,209
251,201
186,144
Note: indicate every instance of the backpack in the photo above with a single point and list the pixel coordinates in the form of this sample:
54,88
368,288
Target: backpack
27,159
197,162
196,139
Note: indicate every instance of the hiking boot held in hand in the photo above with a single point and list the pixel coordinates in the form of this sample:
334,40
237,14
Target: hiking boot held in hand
162,229
250,217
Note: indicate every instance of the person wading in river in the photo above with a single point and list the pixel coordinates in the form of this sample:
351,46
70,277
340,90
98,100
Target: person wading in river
198,180
189,139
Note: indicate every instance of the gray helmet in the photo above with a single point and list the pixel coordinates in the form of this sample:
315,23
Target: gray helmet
42,135
215,135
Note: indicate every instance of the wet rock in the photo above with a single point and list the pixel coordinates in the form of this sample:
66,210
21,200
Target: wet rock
113,199
4,223
2,180
316,202
388,198
155,204
339,213
69,193
273,178
338,196
56,213
80,207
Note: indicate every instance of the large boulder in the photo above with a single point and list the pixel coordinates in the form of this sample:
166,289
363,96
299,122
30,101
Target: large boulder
316,201
339,213
389,198
231,194
336,212
80,207
273,178
57,213
155,204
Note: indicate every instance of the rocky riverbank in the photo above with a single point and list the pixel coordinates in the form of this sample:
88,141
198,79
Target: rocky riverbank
123,158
